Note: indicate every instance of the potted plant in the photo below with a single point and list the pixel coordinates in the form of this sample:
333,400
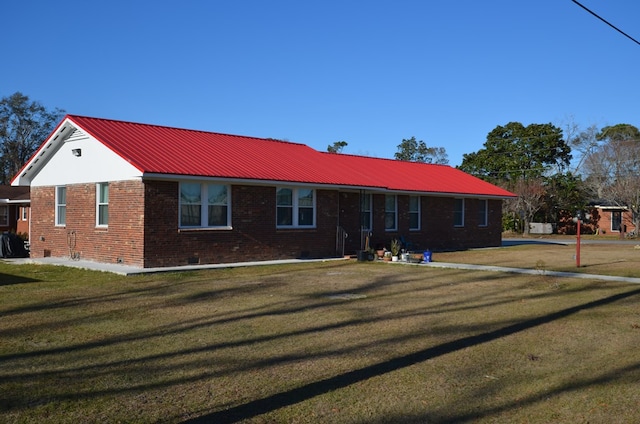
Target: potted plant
395,249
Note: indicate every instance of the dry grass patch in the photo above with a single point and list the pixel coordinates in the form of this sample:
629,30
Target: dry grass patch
605,259
332,342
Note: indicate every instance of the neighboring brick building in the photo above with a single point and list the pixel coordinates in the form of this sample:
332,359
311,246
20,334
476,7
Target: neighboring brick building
152,196
14,210
613,219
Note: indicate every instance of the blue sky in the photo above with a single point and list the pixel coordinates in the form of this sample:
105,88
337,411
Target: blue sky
315,72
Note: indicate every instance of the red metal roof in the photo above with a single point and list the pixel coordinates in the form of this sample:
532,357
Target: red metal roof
157,149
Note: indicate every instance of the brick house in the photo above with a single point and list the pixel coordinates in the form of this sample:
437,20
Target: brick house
14,210
613,219
153,196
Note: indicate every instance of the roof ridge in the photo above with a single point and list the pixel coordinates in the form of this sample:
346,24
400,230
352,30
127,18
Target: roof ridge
387,159
72,116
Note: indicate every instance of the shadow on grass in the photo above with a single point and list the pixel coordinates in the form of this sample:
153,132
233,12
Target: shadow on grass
621,374
9,279
520,242
279,400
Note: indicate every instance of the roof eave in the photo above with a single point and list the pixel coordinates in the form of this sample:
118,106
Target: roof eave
44,153
251,181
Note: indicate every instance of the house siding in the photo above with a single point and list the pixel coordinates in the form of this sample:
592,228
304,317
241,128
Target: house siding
605,225
437,231
144,228
253,236
120,242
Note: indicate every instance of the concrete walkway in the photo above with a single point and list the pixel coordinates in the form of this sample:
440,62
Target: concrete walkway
533,272
129,270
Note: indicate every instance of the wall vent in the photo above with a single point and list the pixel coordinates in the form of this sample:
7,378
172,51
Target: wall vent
77,135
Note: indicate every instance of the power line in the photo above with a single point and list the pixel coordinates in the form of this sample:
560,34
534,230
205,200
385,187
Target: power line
608,23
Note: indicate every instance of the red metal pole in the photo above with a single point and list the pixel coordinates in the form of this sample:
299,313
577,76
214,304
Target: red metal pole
578,246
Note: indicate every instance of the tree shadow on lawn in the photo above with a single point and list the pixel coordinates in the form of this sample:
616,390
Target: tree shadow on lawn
279,400
274,309
10,279
520,242
282,307
621,374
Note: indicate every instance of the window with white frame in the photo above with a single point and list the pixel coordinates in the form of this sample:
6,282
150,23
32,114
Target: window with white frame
458,212
102,204
483,213
616,220
4,215
204,206
24,213
295,207
414,213
61,206
365,212
390,212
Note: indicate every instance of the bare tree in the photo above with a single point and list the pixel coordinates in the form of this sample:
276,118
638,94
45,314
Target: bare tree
613,168
531,193
584,143
23,126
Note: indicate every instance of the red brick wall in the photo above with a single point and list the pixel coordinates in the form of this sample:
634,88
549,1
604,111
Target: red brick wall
604,222
437,230
22,227
443,235
121,242
143,226
253,237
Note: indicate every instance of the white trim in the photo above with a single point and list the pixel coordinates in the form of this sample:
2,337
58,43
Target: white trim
317,186
395,213
419,212
98,204
369,211
16,202
486,213
295,208
57,204
454,212
204,207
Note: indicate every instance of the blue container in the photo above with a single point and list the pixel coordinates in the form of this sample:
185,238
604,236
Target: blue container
427,255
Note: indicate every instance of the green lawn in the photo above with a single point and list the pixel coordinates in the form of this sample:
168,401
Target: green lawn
333,342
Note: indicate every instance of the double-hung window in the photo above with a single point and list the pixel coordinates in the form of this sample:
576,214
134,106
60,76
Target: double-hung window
458,212
61,206
204,206
483,213
102,204
295,207
365,212
390,212
414,213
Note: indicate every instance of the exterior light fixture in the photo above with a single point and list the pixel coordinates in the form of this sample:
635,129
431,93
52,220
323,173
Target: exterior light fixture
76,152
578,220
